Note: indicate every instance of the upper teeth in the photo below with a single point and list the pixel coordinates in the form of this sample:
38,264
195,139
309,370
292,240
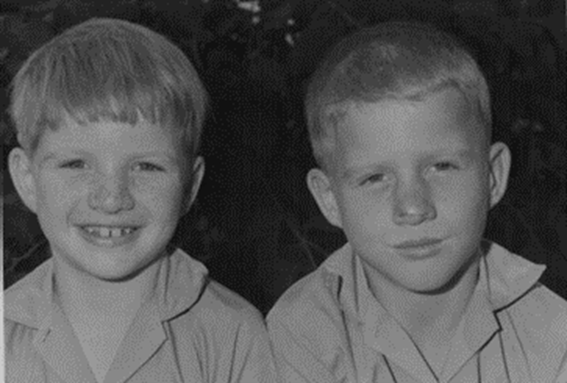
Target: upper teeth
107,232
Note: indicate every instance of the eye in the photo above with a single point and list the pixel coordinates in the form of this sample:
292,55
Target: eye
74,164
372,179
445,166
148,167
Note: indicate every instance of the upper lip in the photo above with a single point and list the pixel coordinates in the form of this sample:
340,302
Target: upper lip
417,243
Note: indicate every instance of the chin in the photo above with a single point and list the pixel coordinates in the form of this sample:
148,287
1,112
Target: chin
116,273
448,282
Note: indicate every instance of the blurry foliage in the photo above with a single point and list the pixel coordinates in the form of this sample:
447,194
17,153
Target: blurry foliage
254,214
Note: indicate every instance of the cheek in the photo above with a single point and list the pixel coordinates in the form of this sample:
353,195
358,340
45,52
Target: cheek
463,200
364,214
160,196
57,193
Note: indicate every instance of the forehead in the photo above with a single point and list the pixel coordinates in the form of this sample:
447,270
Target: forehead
443,121
106,135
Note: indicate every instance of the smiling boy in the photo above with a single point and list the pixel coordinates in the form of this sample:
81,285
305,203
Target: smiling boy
109,116
400,123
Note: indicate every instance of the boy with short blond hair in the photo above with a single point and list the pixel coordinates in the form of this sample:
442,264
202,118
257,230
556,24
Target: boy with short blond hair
400,123
109,116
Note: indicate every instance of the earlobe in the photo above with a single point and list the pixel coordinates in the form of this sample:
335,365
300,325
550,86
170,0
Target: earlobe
320,187
20,167
500,163
196,178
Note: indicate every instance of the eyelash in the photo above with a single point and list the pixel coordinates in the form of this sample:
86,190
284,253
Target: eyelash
153,167
451,165
379,177
71,164
372,179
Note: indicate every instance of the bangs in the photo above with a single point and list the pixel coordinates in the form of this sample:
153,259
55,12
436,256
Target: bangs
108,84
110,102
154,106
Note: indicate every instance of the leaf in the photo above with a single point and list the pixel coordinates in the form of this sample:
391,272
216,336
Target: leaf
32,5
24,34
268,72
72,12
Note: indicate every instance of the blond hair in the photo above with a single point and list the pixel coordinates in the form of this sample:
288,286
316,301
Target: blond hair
111,70
393,60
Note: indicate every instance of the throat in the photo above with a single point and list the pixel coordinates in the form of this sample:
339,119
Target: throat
422,315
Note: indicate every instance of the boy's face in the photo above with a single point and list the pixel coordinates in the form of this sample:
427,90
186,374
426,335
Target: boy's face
108,195
411,186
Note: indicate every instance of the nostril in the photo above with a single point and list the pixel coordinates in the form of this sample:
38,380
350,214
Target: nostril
111,199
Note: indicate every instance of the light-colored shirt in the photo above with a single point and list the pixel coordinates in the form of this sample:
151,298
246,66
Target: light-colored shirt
192,329
329,327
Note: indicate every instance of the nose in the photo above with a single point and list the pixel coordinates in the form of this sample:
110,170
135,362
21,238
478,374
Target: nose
111,194
413,204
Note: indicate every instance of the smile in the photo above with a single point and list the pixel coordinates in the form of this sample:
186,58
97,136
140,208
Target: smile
108,231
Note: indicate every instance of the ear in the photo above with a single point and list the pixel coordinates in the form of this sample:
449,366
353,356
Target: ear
500,162
21,171
320,187
196,179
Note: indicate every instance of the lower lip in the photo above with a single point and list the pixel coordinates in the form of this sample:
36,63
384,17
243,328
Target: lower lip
111,241
420,252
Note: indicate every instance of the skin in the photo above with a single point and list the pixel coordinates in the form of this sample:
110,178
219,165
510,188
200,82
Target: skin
404,171
105,173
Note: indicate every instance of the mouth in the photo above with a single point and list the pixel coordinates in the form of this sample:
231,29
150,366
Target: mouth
108,232
416,244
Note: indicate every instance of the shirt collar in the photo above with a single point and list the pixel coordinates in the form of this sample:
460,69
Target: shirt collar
504,278
180,283
30,301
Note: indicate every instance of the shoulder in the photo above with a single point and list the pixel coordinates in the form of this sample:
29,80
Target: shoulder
226,304
308,324
539,319
309,313
517,291
192,295
17,337
542,313
318,292
220,316
310,294
25,301
226,334
223,337
20,358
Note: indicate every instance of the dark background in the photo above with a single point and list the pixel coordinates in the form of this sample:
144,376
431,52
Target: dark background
255,225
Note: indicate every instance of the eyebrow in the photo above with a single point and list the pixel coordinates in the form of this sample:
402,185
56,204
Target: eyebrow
155,154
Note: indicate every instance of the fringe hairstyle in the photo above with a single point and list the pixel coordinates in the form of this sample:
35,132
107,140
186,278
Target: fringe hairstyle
108,69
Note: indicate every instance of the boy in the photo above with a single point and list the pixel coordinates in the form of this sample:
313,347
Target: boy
399,120
109,116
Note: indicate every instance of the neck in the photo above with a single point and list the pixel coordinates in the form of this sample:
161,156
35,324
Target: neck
84,297
426,315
